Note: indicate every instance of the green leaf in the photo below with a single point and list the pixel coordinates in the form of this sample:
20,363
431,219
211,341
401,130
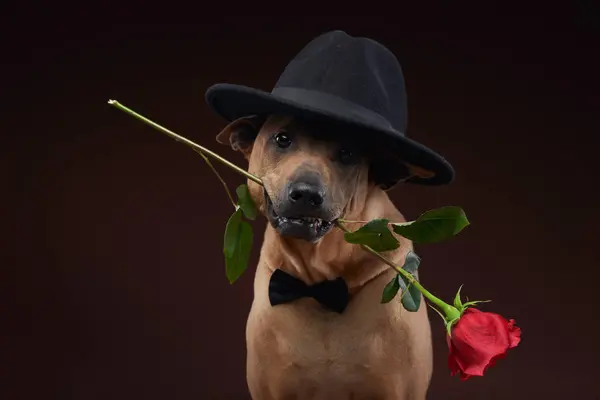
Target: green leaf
437,311
236,265
411,263
434,225
411,297
390,290
245,202
457,301
374,234
449,325
472,303
231,233
238,245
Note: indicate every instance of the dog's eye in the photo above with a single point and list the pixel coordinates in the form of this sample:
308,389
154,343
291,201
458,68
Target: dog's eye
346,156
283,140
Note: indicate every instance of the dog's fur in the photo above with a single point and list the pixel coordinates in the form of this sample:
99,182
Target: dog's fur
300,350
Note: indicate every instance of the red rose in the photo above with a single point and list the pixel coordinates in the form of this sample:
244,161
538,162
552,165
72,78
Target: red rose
478,340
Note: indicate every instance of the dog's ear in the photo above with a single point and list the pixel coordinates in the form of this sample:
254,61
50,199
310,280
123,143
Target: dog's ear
241,133
420,172
387,178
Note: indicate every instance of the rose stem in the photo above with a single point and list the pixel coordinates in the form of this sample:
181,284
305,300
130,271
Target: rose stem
202,150
450,311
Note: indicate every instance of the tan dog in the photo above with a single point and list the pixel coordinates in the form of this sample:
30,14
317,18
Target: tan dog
300,350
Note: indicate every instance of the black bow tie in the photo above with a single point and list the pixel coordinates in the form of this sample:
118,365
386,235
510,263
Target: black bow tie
284,288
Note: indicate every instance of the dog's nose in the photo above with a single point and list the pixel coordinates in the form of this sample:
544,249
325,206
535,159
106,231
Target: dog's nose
305,194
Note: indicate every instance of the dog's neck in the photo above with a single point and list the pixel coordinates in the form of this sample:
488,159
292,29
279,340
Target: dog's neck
333,257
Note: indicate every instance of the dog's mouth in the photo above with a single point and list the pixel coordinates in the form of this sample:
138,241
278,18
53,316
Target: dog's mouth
308,228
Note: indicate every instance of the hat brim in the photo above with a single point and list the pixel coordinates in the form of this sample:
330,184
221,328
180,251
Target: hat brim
236,101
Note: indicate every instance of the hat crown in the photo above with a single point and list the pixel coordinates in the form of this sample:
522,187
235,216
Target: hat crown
358,70
353,82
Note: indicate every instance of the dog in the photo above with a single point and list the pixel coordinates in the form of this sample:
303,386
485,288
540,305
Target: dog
328,142
312,177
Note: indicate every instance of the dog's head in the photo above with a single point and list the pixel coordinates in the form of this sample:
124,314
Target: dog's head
312,173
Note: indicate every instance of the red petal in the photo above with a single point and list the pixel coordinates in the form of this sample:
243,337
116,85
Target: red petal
452,365
514,333
478,340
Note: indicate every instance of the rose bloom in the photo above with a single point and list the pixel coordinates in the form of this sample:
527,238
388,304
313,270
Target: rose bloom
478,340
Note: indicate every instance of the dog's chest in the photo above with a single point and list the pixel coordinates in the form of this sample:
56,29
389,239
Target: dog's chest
324,354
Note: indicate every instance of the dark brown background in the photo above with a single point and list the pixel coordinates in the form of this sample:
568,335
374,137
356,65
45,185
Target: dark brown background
115,231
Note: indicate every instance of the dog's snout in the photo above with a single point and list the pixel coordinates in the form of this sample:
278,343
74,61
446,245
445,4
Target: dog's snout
305,194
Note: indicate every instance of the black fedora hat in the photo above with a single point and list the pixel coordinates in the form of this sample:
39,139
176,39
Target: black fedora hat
351,81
